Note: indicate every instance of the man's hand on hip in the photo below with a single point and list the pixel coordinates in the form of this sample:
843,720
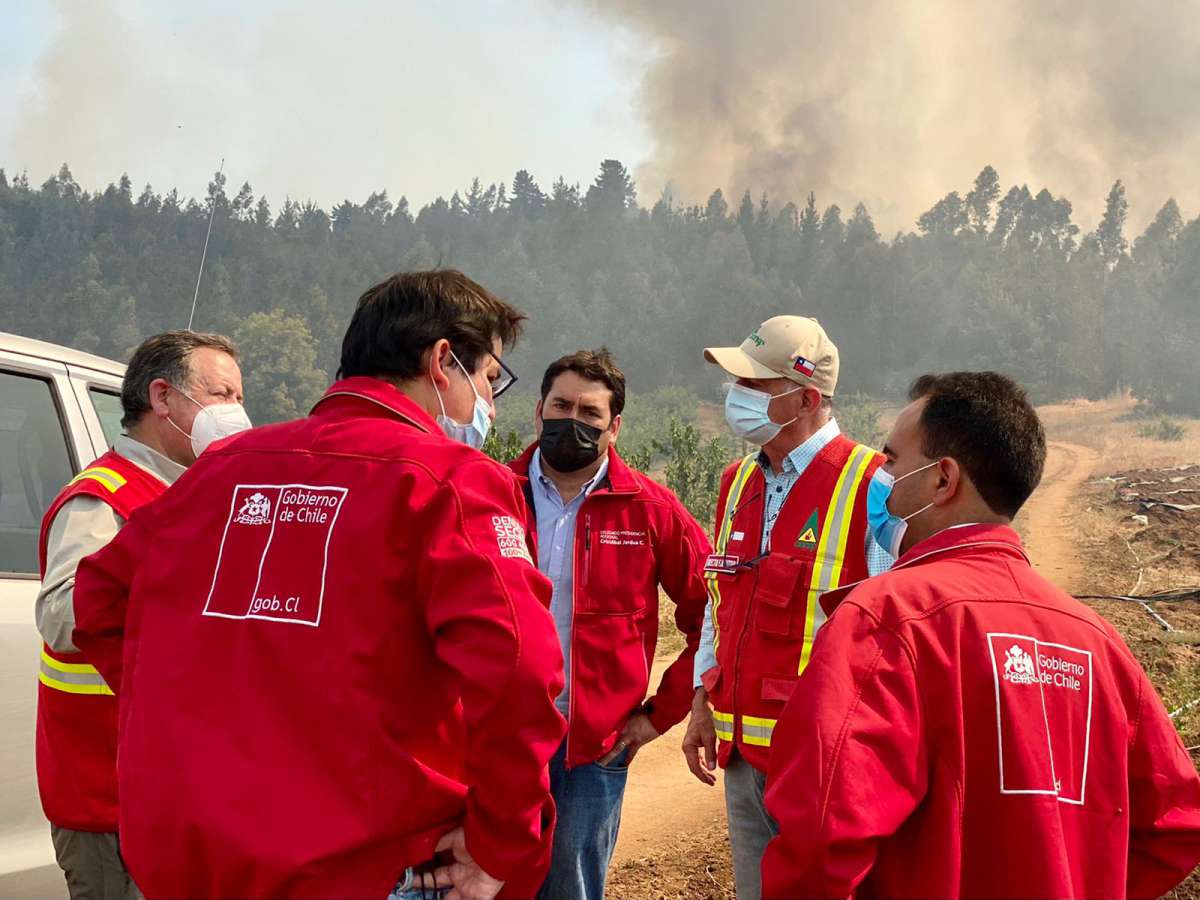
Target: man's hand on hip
464,877
701,734
636,734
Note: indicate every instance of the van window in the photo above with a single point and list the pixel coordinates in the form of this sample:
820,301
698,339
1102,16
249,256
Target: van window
34,466
109,412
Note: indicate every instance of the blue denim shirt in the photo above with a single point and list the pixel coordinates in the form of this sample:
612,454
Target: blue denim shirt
556,554
778,486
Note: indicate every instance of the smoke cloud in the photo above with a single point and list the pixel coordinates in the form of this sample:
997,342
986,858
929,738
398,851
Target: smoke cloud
319,101
896,102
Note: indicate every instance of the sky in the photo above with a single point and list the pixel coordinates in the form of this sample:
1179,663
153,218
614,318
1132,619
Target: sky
890,102
305,102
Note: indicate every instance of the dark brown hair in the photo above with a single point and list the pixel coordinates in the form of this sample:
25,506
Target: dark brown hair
985,422
594,365
398,319
167,356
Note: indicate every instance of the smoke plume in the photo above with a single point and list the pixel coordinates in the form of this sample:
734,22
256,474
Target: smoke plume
896,102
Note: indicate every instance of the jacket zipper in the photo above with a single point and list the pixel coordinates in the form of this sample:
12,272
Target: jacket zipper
735,702
575,587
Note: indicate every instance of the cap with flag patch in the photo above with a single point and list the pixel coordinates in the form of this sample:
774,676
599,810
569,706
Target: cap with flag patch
793,347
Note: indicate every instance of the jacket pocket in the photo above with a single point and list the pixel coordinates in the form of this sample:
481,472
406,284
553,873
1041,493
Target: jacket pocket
779,579
620,575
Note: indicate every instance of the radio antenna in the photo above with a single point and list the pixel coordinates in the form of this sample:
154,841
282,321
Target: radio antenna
204,254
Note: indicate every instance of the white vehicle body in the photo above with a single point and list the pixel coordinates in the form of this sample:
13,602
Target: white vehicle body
59,410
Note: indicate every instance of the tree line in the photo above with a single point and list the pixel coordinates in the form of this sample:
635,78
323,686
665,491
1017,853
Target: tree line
988,278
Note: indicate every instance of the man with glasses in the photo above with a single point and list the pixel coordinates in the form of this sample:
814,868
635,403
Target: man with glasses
607,537
339,658
791,524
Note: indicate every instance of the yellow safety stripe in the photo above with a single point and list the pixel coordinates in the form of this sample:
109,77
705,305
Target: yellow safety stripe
757,731
53,663
71,678
109,478
827,571
98,689
723,725
736,487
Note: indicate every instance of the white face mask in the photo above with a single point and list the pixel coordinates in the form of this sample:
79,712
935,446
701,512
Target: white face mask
213,423
748,416
475,432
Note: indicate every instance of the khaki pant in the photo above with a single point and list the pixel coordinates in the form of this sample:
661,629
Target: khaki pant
93,866
751,828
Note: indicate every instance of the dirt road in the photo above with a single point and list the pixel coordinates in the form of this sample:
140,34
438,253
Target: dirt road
664,803
1045,522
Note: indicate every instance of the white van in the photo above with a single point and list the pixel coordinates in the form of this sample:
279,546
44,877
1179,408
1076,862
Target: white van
59,410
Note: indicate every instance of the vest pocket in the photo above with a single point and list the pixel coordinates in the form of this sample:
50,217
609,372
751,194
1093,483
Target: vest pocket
778,687
776,605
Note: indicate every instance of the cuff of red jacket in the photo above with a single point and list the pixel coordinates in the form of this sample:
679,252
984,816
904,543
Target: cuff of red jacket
515,852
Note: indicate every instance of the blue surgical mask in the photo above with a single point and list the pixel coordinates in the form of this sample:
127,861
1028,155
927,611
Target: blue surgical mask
748,416
889,529
475,432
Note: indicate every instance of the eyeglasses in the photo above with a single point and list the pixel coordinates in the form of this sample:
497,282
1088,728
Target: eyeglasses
506,379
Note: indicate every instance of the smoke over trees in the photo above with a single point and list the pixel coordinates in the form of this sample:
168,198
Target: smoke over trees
989,278
886,100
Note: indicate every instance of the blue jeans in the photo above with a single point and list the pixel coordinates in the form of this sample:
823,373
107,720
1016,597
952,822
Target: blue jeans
588,799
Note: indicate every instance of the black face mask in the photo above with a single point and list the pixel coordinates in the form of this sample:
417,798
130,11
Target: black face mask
569,445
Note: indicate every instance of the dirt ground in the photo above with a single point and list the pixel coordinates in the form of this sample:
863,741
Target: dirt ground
1081,531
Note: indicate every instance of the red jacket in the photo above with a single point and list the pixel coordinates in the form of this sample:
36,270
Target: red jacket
335,649
966,729
77,712
765,607
632,534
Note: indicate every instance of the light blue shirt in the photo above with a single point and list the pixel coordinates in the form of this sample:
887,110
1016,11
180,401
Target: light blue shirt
777,487
556,554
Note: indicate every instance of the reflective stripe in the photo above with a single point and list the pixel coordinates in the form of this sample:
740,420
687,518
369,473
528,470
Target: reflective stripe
757,731
736,487
827,570
72,678
109,478
723,725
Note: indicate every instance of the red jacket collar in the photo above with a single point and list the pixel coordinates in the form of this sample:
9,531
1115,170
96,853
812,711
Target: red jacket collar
965,537
621,478
385,398
993,536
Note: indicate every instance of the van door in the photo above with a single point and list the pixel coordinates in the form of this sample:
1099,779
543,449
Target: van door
43,440
99,397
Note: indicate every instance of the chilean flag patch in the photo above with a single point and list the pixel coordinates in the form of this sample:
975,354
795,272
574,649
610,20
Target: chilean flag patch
804,367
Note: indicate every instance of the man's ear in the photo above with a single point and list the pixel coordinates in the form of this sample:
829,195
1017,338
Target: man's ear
615,427
159,390
812,398
436,360
950,478
537,418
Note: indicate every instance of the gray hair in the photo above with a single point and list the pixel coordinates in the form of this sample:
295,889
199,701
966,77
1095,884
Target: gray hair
166,356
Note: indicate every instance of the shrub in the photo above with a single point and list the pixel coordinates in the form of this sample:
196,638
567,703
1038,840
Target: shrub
1162,429
858,417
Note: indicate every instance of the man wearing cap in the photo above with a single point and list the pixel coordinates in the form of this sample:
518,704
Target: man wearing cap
791,524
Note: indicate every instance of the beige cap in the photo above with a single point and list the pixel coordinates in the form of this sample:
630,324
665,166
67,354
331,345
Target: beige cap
793,347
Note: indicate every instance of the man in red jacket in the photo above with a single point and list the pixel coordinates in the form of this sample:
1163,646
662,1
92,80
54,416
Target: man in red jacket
607,537
966,729
337,658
